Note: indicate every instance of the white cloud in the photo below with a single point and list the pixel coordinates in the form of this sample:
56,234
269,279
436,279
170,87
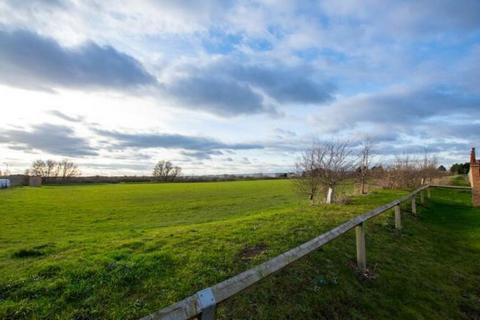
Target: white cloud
221,69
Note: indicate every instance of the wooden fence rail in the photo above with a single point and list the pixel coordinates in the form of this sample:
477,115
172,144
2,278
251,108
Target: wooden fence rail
203,304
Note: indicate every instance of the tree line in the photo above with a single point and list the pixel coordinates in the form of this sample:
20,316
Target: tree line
326,166
65,169
319,172
51,169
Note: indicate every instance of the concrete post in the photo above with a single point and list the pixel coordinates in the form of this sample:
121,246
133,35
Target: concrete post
414,205
398,217
361,251
330,196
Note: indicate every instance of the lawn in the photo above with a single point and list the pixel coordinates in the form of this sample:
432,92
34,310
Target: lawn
122,251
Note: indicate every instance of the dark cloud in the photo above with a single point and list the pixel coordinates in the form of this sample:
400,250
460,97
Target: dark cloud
228,87
53,139
427,16
284,133
197,147
283,83
216,94
404,108
29,60
419,149
415,19
467,131
202,155
36,4
66,117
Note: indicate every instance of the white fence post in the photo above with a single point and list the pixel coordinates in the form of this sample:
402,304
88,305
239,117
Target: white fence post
330,195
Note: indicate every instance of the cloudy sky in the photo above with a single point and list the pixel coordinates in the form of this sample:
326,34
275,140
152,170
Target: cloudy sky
234,86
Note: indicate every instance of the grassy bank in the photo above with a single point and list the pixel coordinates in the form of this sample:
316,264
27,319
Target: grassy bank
429,270
122,251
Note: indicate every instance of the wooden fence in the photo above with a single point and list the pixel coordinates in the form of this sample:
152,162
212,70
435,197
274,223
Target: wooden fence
203,304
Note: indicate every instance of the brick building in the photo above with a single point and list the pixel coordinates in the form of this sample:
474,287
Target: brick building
474,176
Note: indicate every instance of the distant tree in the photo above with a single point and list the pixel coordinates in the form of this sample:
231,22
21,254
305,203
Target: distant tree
324,167
428,168
67,169
307,180
364,158
460,168
166,171
52,169
454,168
441,168
38,168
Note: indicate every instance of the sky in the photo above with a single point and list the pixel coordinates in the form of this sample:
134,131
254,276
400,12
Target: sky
234,86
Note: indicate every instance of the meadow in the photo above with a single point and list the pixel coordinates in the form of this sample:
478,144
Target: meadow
123,251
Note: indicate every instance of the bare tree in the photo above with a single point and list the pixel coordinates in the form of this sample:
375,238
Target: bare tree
409,172
51,168
429,168
402,173
364,158
308,181
166,171
324,167
67,169
37,169
54,169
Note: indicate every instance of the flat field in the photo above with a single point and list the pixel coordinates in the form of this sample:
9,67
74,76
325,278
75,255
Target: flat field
122,251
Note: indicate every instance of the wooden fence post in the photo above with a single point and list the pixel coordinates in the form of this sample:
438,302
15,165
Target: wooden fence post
361,251
429,193
398,217
422,198
414,205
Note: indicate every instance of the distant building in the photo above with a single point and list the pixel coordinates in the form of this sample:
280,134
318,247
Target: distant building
20,180
4,183
35,181
474,176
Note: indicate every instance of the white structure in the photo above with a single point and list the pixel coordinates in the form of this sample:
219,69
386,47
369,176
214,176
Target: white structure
4,183
330,196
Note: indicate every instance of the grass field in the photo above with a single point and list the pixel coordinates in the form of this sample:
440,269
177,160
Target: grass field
123,251
459,180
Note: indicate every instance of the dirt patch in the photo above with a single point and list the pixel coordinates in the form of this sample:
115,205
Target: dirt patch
27,253
368,274
250,252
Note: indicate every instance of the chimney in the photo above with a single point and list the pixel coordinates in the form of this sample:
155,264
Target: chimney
472,157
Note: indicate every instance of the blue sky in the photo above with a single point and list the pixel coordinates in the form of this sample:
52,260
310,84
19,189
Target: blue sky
234,86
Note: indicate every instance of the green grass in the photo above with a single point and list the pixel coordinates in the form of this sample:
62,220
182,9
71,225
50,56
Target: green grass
123,251
460,180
